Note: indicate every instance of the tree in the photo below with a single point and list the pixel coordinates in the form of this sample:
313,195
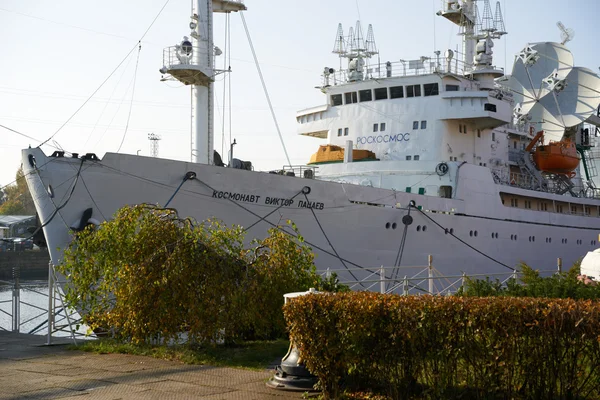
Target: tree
16,199
148,274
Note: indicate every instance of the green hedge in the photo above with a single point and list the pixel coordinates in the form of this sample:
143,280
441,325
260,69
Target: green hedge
449,347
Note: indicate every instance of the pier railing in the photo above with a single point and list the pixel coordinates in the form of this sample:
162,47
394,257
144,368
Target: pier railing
417,280
37,306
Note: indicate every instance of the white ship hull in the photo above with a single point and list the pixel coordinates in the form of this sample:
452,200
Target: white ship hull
350,227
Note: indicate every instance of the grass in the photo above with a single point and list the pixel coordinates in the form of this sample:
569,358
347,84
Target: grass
253,355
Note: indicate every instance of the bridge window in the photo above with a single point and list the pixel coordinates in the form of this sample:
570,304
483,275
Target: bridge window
415,124
413,90
396,92
408,158
336,100
350,97
375,127
451,88
423,124
416,157
365,95
382,126
446,192
489,107
340,132
431,89
381,94
345,131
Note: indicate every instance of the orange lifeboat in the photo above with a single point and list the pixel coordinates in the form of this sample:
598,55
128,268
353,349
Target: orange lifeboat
557,157
330,153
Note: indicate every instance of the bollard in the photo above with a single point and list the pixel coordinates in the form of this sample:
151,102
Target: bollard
16,301
559,264
291,374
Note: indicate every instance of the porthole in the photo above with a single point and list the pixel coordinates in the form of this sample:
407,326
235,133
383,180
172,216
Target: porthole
549,240
418,228
394,225
452,231
471,233
387,225
533,238
475,233
446,231
512,237
424,228
515,237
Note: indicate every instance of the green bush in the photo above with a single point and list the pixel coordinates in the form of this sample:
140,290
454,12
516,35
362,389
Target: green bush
531,284
148,275
449,347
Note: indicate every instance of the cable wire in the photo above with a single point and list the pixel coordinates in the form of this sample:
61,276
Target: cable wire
465,243
262,80
107,78
132,95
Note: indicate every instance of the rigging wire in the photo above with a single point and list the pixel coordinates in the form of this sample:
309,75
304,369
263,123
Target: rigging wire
463,242
105,107
137,61
262,80
329,242
18,133
107,78
229,75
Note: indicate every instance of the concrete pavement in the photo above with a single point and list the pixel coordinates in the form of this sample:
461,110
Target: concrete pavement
31,370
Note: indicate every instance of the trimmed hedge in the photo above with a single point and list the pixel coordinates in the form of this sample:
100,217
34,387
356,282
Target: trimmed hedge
449,347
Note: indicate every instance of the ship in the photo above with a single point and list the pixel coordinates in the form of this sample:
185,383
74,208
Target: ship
441,158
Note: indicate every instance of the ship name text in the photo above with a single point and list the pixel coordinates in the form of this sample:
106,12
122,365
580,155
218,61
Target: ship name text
398,137
267,200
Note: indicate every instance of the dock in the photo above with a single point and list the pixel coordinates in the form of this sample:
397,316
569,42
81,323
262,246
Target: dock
33,370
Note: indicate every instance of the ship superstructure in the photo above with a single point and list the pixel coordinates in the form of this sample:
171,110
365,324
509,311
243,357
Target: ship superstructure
439,156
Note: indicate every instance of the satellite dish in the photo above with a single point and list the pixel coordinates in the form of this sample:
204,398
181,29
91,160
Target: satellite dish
566,34
549,91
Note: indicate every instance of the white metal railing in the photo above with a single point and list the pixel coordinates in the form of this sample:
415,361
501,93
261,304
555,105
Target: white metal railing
47,312
175,55
426,279
436,63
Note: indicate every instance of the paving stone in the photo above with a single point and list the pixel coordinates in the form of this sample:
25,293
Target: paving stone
53,372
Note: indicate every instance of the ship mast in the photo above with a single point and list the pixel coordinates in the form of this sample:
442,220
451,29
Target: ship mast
191,62
477,34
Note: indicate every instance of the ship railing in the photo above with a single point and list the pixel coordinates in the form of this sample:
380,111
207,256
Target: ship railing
303,171
175,56
419,280
397,68
38,306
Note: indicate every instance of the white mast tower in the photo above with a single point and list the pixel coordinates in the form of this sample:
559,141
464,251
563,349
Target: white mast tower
477,35
191,62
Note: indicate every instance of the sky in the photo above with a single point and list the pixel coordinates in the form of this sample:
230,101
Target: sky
55,54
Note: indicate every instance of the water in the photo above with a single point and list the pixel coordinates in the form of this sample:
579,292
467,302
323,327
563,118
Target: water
33,296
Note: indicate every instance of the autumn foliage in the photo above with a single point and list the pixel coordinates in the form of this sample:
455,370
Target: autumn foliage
148,275
449,347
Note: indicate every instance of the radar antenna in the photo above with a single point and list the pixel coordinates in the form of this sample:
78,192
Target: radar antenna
566,34
499,21
550,91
